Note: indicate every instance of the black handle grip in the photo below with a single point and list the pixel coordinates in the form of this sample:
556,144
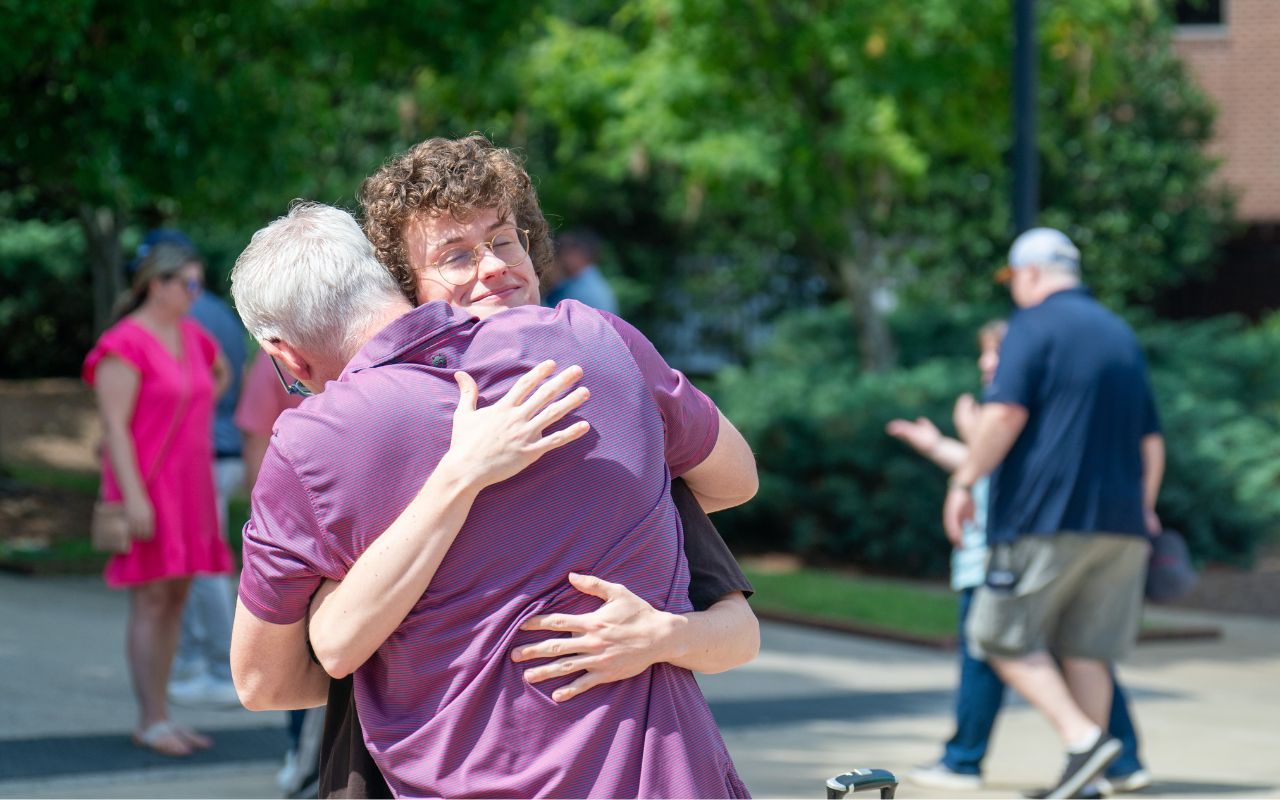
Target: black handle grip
862,780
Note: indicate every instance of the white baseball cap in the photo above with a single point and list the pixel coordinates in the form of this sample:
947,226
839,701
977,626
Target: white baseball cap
1041,247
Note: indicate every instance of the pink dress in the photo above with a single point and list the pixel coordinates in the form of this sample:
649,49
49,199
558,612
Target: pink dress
186,541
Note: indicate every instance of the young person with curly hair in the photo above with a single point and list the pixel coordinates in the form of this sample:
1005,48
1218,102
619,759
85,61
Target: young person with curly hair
451,242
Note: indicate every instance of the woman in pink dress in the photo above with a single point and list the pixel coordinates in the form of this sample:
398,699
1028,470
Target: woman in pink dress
156,375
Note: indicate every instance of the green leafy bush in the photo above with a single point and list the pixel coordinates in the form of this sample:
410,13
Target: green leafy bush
835,487
1218,386
46,299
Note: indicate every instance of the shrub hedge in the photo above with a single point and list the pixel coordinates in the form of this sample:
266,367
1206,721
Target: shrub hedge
835,487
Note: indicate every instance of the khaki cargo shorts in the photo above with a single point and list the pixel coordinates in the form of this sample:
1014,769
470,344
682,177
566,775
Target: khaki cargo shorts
1075,595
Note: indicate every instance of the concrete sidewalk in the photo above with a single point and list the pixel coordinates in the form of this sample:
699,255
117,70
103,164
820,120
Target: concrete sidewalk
812,705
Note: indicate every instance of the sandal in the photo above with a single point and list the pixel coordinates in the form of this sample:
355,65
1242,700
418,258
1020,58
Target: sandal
194,739
163,738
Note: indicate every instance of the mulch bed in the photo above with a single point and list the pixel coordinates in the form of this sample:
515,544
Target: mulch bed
35,519
1253,591
38,515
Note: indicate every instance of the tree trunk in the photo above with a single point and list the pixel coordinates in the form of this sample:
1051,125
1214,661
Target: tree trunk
857,269
101,227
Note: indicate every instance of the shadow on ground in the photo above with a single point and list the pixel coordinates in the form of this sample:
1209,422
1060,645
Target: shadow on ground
844,705
82,755
1204,789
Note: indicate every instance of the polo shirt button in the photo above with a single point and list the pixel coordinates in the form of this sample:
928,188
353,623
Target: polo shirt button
438,361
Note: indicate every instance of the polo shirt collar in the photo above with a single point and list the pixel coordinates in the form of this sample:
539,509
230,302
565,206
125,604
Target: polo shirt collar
409,331
1074,291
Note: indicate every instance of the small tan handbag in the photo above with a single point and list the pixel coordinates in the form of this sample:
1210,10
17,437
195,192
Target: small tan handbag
109,529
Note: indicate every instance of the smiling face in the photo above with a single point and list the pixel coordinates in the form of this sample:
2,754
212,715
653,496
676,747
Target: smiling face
494,286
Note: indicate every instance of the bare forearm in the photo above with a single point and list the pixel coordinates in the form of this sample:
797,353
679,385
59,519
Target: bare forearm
308,688
355,618
998,428
124,460
948,453
727,477
725,636
221,376
254,449
1153,464
271,667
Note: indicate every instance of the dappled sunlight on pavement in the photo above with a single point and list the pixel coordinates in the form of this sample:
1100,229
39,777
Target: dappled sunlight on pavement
813,704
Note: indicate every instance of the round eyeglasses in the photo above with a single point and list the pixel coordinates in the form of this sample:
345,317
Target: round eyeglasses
457,266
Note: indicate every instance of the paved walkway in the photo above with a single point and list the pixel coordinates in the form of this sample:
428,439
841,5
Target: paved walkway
812,705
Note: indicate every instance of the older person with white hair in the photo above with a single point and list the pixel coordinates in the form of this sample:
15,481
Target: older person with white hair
1070,433
344,466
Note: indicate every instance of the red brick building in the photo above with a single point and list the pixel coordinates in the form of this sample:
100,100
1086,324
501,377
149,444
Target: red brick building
1233,49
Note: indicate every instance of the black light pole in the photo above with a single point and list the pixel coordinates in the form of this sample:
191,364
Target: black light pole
1026,167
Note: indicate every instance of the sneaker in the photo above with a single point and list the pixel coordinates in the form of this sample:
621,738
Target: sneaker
940,776
1082,768
204,691
1135,781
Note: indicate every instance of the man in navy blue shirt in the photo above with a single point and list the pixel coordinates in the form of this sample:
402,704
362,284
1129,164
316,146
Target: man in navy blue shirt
1070,436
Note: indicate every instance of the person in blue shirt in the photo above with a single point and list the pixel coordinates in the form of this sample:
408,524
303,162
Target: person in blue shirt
1070,436
980,694
576,275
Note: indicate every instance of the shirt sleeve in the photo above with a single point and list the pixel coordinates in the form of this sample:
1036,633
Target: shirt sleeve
285,552
119,342
713,571
262,399
692,421
1021,364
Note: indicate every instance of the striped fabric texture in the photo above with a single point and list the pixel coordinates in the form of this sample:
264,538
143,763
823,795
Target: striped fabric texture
446,712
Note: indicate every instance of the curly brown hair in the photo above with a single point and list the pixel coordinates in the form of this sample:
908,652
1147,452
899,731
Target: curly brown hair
454,177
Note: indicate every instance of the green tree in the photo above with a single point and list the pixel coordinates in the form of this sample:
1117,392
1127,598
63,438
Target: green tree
870,138
866,139
216,114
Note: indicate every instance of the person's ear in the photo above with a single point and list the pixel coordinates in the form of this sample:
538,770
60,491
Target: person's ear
290,358
1034,276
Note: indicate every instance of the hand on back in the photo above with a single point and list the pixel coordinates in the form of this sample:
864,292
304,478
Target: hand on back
494,443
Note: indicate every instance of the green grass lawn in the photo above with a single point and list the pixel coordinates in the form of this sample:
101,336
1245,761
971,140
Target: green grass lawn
895,605
876,602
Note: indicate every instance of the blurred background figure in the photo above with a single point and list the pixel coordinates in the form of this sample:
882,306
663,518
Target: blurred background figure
577,275
263,400
202,668
1070,436
156,375
980,694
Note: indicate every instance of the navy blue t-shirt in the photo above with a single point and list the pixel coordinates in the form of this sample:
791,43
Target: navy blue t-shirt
1077,465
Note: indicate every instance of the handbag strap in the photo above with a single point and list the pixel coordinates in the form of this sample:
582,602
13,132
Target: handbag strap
168,438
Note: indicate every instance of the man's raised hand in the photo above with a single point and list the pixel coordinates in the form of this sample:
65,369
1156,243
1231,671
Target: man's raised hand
494,443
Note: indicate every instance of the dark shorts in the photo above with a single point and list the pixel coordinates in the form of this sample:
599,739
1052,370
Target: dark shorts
1075,595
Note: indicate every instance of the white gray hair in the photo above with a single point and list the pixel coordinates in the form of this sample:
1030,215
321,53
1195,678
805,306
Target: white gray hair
311,279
